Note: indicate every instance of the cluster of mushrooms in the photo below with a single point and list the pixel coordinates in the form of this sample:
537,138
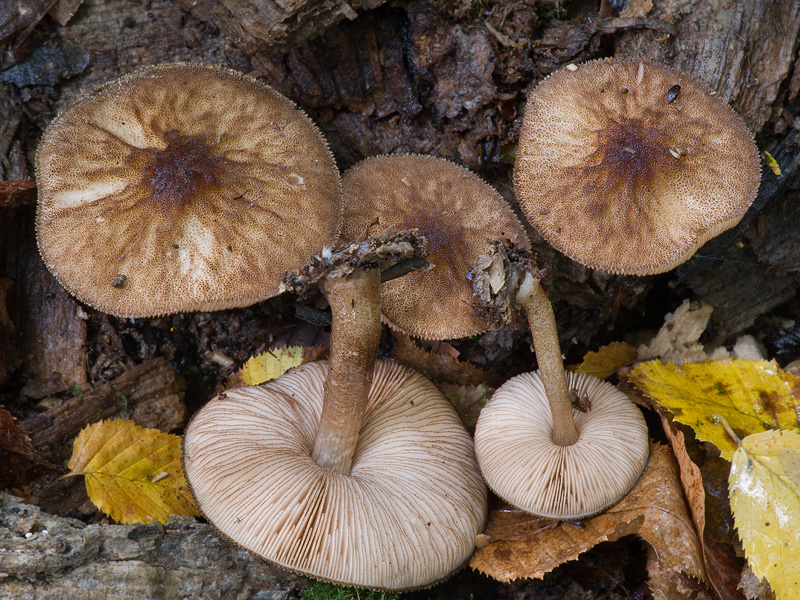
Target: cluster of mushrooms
184,187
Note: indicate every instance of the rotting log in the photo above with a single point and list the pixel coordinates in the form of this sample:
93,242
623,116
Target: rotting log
433,77
260,24
147,393
46,557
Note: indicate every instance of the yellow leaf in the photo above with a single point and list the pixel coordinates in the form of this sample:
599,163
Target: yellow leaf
772,164
273,363
606,360
752,396
765,488
132,474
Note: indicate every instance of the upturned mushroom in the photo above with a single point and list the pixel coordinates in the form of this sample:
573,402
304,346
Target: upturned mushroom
630,167
563,446
627,167
348,471
457,212
174,188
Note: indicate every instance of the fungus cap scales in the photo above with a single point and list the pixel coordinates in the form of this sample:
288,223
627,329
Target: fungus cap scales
182,187
457,212
622,170
405,517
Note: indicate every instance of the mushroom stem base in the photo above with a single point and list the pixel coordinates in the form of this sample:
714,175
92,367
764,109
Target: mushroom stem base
542,323
355,336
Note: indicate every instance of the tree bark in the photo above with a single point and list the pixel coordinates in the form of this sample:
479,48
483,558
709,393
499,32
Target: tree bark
46,557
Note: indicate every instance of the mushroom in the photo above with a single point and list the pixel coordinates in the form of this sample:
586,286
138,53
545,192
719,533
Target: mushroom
524,465
456,211
630,167
358,475
174,188
622,166
557,445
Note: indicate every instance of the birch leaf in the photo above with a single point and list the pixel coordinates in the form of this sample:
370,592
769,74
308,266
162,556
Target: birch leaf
272,364
606,360
523,546
752,396
765,496
468,400
132,474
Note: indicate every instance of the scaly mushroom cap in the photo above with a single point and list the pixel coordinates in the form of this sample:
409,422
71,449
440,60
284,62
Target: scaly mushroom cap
455,210
405,517
182,187
631,167
524,467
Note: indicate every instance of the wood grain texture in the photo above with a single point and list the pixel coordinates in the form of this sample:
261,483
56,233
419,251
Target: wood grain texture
43,556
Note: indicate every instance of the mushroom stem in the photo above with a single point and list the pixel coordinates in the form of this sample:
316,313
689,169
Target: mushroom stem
355,336
542,323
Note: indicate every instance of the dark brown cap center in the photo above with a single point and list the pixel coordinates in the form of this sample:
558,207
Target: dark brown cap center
629,155
183,170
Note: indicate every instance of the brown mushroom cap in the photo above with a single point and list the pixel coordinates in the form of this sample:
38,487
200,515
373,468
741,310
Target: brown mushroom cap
631,167
523,466
458,213
182,187
405,517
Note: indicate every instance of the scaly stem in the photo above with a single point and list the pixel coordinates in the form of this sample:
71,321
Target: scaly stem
542,323
355,334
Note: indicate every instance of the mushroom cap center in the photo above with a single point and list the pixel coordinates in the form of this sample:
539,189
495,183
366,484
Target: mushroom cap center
629,156
184,170
182,187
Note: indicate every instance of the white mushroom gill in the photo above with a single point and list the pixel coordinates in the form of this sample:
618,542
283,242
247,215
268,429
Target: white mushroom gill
406,515
523,466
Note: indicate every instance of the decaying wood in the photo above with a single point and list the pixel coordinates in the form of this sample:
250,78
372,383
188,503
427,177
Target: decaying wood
47,557
147,393
751,269
443,77
260,24
52,330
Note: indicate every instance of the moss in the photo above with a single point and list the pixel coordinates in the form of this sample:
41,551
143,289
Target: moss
76,391
320,590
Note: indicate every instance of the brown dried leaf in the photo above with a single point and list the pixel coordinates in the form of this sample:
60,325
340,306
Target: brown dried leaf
524,546
20,462
63,10
440,367
636,8
691,477
468,401
722,577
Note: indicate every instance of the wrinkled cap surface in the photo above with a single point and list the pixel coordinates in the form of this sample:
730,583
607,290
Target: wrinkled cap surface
630,167
458,213
405,517
524,467
182,187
